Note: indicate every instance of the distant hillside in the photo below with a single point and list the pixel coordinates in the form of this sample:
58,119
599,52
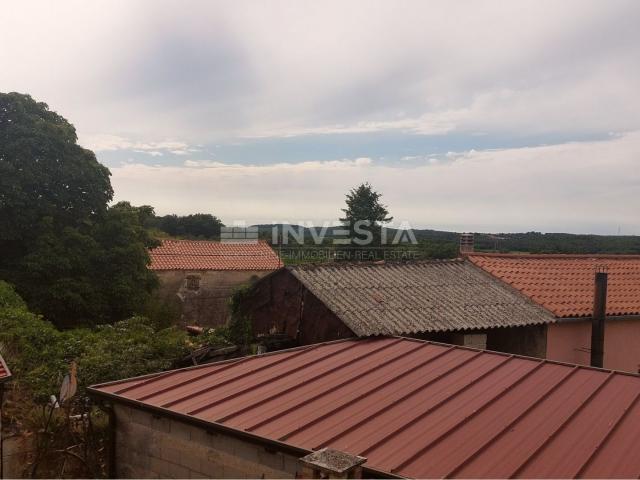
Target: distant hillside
535,242
530,242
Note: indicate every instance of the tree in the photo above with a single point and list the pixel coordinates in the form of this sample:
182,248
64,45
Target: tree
364,215
44,173
199,225
70,256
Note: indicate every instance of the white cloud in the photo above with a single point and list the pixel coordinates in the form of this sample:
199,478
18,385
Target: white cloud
220,70
280,167
577,187
107,143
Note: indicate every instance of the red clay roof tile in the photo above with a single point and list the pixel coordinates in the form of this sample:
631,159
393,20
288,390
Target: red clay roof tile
564,284
205,255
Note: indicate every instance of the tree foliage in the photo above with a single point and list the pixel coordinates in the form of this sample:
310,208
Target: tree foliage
72,257
44,172
198,225
365,213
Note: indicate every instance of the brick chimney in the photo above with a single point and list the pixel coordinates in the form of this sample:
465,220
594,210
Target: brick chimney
466,244
329,463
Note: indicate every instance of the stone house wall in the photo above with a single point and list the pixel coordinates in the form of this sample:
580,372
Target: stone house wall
152,446
206,305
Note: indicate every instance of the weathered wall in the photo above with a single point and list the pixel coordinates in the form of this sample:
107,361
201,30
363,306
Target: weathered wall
274,304
529,340
16,450
571,342
150,446
281,304
208,305
318,323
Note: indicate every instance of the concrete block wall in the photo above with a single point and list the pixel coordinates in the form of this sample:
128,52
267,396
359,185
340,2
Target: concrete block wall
149,446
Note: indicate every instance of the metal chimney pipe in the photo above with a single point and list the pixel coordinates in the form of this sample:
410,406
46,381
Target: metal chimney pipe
599,315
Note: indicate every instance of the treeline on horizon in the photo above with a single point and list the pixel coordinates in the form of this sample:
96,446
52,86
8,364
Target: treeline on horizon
443,243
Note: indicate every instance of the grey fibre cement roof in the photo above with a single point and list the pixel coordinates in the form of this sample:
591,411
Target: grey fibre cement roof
434,296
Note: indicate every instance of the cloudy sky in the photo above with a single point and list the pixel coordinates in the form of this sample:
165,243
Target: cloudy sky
485,116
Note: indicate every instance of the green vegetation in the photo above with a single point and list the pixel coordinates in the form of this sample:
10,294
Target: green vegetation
197,226
40,354
365,215
536,242
71,257
239,329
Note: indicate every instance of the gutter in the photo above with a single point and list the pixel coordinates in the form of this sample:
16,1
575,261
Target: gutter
213,427
588,318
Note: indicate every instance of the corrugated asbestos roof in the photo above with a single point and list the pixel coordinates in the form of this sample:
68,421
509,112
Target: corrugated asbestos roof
203,255
415,408
564,284
5,373
394,299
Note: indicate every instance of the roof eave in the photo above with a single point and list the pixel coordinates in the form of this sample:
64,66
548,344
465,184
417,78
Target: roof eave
218,427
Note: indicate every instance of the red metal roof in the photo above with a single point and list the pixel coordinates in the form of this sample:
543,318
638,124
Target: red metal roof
204,255
415,408
5,373
564,284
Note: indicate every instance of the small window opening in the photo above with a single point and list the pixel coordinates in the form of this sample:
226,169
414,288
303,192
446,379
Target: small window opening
193,282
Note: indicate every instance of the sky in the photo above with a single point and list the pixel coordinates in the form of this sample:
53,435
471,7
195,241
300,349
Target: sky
486,116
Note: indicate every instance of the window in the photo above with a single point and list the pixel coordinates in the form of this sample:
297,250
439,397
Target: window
193,282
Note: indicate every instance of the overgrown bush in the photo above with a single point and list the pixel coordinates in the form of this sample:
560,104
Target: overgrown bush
69,441
240,331
39,354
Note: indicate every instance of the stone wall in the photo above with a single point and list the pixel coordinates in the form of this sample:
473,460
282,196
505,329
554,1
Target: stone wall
207,305
149,446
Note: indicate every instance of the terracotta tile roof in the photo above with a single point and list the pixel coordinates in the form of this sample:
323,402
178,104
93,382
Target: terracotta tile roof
413,408
204,255
435,296
564,284
5,373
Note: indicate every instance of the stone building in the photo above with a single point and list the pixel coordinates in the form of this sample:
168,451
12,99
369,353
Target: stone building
199,277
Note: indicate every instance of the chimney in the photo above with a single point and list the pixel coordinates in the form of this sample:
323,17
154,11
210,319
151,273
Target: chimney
329,463
466,244
599,315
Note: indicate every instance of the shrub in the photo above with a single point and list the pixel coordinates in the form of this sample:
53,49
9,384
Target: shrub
39,355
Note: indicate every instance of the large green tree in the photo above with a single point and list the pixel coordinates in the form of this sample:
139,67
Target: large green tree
365,214
71,256
44,172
